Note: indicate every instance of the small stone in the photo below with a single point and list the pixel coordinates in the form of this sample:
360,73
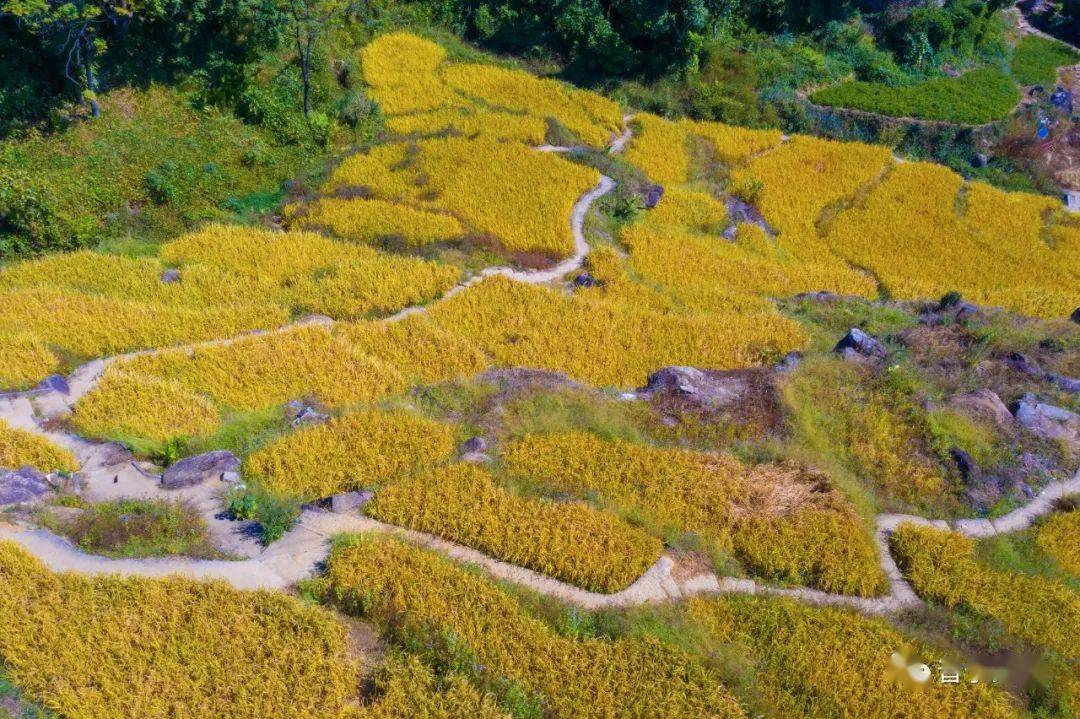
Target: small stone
790,362
196,470
346,502
585,280
1075,317
966,464
984,403
1020,363
862,343
55,383
474,445
309,416
1066,384
981,160
653,196
170,276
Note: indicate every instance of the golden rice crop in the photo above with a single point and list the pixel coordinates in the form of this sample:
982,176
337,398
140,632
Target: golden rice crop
472,123
406,687
130,405
818,540
659,149
522,197
24,360
733,145
19,448
375,222
420,593
401,70
383,171
799,653
416,348
136,279
605,343
690,209
1059,537
315,273
593,121
729,274
96,326
566,540
941,567
802,179
360,450
993,253
266,370
106,647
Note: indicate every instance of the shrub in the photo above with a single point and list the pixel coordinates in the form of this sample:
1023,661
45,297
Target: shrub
141,528
112,647
569,541
979,96
361,450
941,567
20,448
415,593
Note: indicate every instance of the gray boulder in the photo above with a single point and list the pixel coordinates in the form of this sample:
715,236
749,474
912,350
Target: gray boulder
22,486
653,196
1067,384
1048,421
860,343
196,470
983,403
966,465
55,383
585,280
789,362
475,445
346,502
703,389
170,277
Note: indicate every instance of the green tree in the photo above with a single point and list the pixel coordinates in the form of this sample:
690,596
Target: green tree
311,20
79,32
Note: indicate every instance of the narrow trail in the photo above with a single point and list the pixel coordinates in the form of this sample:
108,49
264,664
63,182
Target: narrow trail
299,554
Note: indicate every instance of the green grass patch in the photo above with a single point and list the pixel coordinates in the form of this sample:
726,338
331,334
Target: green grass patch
976,98
150,167
138,528
1036,60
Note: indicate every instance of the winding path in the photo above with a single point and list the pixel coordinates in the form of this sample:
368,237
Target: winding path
304,548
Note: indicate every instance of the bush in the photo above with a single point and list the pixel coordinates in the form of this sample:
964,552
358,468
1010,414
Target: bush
141,528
